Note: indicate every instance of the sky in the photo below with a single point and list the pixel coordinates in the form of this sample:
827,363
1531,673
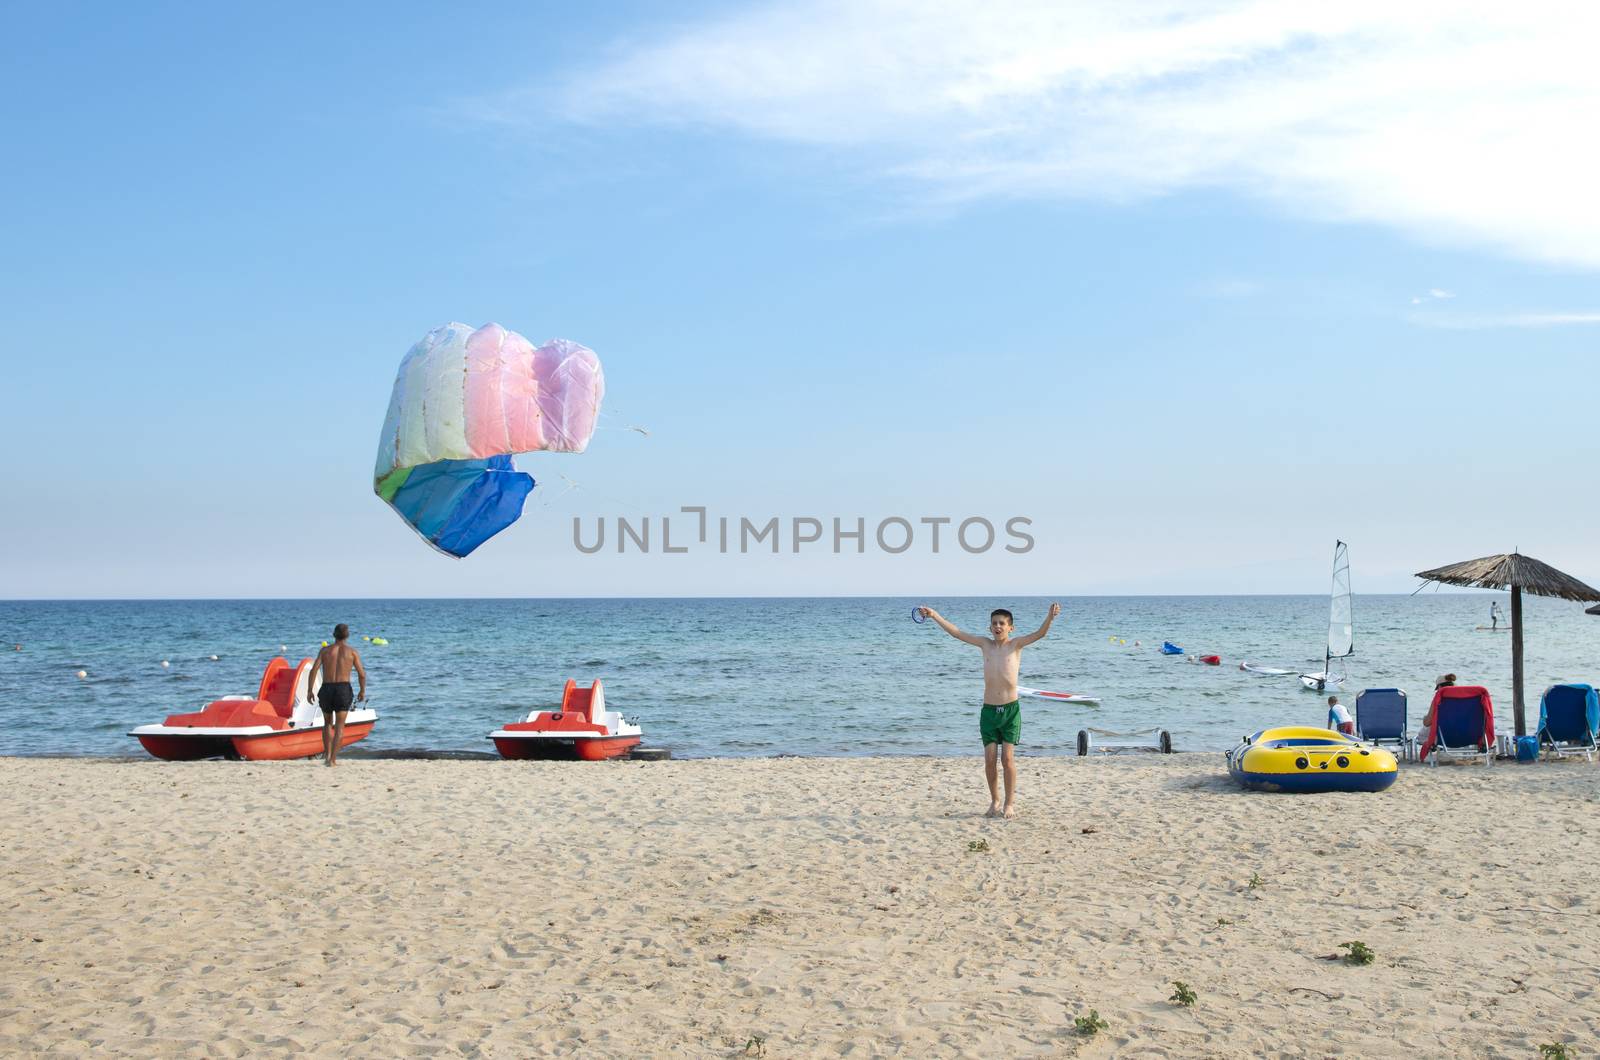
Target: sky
1193,288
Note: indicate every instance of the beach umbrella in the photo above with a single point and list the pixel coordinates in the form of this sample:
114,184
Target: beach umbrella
1520,574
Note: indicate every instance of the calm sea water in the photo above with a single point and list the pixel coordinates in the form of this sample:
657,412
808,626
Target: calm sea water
744,677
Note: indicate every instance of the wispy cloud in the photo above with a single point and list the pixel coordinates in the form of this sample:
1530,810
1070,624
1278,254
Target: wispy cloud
1503,320
1435,294
1453,120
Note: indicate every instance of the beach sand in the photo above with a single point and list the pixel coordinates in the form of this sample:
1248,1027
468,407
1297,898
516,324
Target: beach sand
789,908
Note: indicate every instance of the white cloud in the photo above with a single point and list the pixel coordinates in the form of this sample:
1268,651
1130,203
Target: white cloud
1434,294
1505,320
1459,121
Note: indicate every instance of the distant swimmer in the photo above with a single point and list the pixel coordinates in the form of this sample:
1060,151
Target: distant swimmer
336,661
1495,614
1000,717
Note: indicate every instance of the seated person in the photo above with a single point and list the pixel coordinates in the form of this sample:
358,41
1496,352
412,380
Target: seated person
1444,681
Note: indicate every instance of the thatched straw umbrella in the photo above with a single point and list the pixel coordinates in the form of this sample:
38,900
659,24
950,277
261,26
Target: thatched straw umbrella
1517,573
1595,610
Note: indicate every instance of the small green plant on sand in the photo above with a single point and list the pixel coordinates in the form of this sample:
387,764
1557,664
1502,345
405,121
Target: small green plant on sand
978,846
1255,881
1090,1024
1182,994
756,1045
1357,953
1554,1051
1223,921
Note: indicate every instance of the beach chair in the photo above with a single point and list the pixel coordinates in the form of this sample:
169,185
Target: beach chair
1461,726
1381,718
1569,718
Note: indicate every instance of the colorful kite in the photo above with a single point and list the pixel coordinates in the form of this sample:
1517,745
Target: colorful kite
463,402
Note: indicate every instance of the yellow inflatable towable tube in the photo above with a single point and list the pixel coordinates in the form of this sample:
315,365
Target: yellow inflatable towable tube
1307,759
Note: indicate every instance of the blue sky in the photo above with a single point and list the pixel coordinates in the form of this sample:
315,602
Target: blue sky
1195,287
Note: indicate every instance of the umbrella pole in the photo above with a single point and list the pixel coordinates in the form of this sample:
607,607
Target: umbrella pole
1516,661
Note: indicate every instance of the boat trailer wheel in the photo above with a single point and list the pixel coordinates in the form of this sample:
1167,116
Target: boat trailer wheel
1084,742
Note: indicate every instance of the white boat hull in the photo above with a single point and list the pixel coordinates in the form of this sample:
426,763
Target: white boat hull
1322,682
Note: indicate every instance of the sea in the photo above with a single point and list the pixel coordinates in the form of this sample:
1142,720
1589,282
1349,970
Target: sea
763,677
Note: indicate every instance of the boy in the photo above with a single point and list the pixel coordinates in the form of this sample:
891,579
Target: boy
336,661
1338,718
1000,719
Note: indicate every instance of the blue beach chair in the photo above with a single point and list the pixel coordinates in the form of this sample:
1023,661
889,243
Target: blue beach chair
1569,719
1381,718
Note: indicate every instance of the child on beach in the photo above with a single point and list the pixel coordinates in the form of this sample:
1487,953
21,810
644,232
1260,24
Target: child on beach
1000,718
1339,719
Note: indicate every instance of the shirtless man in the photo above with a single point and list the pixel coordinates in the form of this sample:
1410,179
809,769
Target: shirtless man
336,661
1000,720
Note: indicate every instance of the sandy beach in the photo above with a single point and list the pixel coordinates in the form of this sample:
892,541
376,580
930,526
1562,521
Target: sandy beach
789,907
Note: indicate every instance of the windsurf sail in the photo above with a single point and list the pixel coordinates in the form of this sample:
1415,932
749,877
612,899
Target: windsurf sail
1266,671
1341,637
1059,697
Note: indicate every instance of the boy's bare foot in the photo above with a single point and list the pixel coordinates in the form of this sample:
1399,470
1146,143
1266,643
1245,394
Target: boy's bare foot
1010,812
993,811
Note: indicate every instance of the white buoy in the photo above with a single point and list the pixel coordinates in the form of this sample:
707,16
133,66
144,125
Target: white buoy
165,664
283,647
82,674
213,658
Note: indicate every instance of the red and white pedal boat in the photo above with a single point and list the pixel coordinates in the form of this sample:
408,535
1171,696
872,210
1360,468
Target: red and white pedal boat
282,720
581,727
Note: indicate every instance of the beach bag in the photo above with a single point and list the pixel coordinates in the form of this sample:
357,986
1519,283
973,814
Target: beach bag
1527,748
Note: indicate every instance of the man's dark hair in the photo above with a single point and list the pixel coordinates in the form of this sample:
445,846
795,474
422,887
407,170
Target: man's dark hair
341,632
1003,611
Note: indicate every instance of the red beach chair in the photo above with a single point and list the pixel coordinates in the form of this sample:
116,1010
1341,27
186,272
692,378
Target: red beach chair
1461,725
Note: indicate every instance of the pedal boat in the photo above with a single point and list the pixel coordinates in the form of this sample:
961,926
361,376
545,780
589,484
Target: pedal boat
581,728
1305,759
281,721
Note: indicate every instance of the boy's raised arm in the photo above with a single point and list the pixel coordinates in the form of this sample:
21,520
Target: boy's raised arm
1038,634
950,628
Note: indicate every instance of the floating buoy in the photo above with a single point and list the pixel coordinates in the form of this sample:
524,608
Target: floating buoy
324,644
379,640
213,658
283,647
165,664
366,638
82,674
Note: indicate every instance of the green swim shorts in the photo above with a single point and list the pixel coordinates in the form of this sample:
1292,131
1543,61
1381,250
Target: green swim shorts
1002,724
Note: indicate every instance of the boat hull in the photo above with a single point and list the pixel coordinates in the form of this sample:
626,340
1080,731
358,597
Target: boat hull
565,748
1305,760
267,747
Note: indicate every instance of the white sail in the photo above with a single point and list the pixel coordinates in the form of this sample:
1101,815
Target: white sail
1340,637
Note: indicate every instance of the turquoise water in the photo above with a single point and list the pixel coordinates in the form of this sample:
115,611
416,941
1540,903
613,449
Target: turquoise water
758,677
